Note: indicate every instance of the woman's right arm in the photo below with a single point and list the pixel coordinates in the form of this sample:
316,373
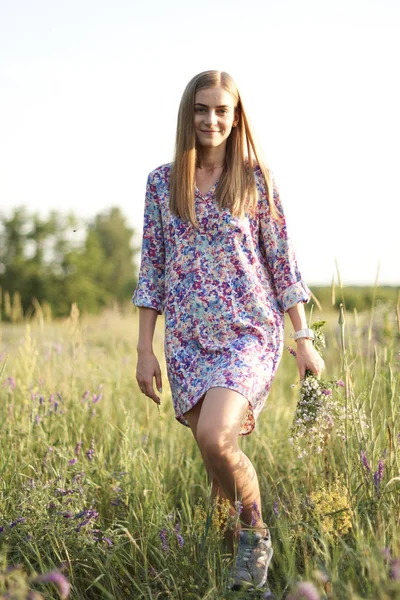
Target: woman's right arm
149,294
147,363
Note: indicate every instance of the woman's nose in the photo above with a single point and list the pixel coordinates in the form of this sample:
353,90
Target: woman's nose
211,118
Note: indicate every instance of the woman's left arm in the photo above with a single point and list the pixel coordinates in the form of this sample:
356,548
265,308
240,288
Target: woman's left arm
291,291
306,354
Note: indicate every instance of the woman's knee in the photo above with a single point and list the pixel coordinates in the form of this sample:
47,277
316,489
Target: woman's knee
216,445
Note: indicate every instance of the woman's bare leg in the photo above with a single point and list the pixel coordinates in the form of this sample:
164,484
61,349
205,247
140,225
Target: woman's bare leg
215,422
216,488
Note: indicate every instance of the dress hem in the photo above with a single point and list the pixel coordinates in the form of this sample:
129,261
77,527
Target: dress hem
240,390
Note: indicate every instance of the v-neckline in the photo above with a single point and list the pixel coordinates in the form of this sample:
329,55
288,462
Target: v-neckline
209,191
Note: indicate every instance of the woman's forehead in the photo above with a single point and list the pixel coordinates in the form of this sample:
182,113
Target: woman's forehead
215,96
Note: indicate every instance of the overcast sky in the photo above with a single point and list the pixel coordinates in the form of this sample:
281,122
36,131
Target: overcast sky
89,93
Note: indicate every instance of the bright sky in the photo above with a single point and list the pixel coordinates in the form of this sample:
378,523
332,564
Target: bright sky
89,93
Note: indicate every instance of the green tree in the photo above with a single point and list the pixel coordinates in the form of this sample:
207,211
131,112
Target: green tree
61,260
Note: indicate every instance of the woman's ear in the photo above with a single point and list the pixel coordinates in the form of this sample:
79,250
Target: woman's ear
236,118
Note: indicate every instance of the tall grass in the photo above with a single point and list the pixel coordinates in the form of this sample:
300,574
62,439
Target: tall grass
98,483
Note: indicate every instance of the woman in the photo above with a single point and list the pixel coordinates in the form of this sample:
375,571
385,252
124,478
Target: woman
217,259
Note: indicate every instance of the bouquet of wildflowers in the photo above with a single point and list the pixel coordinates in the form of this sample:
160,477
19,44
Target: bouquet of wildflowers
320,409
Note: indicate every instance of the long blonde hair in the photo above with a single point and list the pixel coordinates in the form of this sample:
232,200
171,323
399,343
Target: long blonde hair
237,186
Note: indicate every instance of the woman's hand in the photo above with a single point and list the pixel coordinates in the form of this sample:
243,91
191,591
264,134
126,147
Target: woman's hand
308,358
147,368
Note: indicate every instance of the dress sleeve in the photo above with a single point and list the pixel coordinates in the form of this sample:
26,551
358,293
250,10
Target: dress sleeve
150,289
279,253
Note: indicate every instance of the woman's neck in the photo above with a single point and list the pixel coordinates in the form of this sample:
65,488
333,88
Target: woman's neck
211,158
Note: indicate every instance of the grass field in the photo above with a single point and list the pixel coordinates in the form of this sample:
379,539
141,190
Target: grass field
97,484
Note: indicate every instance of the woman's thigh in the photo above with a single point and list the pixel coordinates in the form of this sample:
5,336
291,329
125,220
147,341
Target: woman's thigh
217,416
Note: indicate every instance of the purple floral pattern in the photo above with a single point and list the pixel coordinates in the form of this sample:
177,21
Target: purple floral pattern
224,289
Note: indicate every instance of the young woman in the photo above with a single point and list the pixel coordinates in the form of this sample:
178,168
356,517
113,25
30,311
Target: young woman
216,258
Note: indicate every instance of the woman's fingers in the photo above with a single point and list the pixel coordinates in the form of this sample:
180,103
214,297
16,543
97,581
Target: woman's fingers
148,390
318,367
147,369
158,380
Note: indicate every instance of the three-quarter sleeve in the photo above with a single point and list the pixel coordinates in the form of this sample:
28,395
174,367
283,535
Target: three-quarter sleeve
279,253
150,289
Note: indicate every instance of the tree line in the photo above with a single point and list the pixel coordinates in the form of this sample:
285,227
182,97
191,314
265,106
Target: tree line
56,260
51,262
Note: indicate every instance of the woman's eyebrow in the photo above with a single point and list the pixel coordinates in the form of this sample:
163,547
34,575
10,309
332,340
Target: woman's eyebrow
206,105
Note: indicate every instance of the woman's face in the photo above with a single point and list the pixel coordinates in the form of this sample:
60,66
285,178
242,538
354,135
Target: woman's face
214,116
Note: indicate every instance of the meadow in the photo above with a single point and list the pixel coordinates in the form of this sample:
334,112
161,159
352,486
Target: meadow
103,496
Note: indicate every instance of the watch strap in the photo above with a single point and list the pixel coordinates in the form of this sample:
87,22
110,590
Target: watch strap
303,333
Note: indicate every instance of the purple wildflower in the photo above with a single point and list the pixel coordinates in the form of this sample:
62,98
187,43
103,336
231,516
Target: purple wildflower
58,579
37,419
78,448
164,540
108,541
14,523
85,395
339,383
305,591
178,535
72,461
88,515
78,477
62,492
152,571
378,475
41,400
238,507
255,513
395,570
10,381
364,461
97,397
90,453
291,351
51,398
327,393
55,406
1,528
276,509
116,502
386,554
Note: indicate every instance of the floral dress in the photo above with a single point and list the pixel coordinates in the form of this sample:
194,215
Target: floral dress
224,289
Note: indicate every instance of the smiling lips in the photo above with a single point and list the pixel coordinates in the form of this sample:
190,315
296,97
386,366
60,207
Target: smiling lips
204,131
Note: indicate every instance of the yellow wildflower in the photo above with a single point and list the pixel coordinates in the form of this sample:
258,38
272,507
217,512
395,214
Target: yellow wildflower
331,508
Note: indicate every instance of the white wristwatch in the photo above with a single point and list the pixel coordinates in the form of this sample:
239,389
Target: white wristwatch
303,333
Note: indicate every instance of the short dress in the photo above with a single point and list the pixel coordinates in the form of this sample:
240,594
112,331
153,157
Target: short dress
223,288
